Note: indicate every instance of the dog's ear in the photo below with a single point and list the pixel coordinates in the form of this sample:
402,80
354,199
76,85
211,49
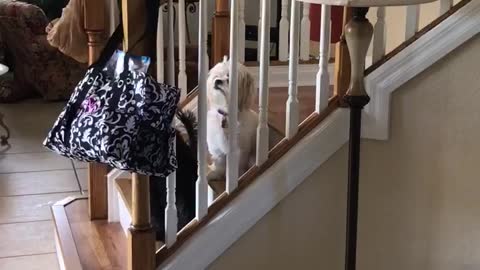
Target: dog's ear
246,85
225,59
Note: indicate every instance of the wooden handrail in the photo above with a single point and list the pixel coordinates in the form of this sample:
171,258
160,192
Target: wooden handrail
94,20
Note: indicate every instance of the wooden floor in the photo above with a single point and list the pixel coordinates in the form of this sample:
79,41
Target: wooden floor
100,245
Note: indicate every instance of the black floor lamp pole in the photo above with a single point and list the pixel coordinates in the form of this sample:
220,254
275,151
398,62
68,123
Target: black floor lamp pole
358,33
356,106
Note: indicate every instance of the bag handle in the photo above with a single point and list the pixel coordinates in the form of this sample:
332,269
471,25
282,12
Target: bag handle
117,37
112,44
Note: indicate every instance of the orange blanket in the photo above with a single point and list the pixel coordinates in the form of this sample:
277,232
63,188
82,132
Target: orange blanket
67,33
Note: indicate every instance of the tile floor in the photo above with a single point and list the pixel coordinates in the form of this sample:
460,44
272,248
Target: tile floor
31,179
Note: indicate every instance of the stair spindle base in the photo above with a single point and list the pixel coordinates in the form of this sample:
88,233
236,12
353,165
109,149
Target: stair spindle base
97,191
141,249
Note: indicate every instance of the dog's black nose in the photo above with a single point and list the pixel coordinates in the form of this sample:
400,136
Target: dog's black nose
218,83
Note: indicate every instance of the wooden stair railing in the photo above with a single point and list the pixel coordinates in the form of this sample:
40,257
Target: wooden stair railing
141,236
141,244
97,183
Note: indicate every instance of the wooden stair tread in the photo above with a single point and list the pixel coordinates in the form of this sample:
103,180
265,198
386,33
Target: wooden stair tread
277,105
98,244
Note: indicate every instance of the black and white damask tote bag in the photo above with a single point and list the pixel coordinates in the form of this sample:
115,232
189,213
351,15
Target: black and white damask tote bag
122,121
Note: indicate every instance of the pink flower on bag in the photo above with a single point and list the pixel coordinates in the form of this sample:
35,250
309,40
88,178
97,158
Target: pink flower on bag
91,104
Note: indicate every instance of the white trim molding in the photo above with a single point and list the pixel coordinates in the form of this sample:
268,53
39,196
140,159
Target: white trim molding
423,53
265,192
113,211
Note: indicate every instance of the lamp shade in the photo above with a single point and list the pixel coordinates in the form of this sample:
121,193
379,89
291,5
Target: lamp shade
368,3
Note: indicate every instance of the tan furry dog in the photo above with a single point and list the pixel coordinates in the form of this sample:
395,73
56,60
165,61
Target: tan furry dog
217,126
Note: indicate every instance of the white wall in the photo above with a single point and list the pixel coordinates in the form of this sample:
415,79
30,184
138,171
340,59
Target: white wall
419,193
396,20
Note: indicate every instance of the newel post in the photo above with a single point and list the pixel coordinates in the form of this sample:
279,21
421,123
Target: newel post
358,34
141,236
220,31
94,12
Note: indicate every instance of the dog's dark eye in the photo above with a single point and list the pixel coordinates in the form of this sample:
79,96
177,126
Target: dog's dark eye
218,83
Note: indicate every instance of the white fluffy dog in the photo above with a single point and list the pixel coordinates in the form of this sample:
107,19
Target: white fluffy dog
217,125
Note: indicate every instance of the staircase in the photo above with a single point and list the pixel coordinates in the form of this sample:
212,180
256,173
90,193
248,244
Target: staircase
294,151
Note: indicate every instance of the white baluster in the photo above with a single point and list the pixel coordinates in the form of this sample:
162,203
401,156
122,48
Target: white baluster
379,40
233,151
171,44
305,33
413,14
445,6
262,130
283,35
202,184
241,32
259,45
171,218
182,69
323,78
160,48
292,114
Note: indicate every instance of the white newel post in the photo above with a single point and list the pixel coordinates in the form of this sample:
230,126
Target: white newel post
241,32
283,35
379,38
262,130
292,112
413,14
305,33
160,48
323,78
233,151
182,69
202,184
